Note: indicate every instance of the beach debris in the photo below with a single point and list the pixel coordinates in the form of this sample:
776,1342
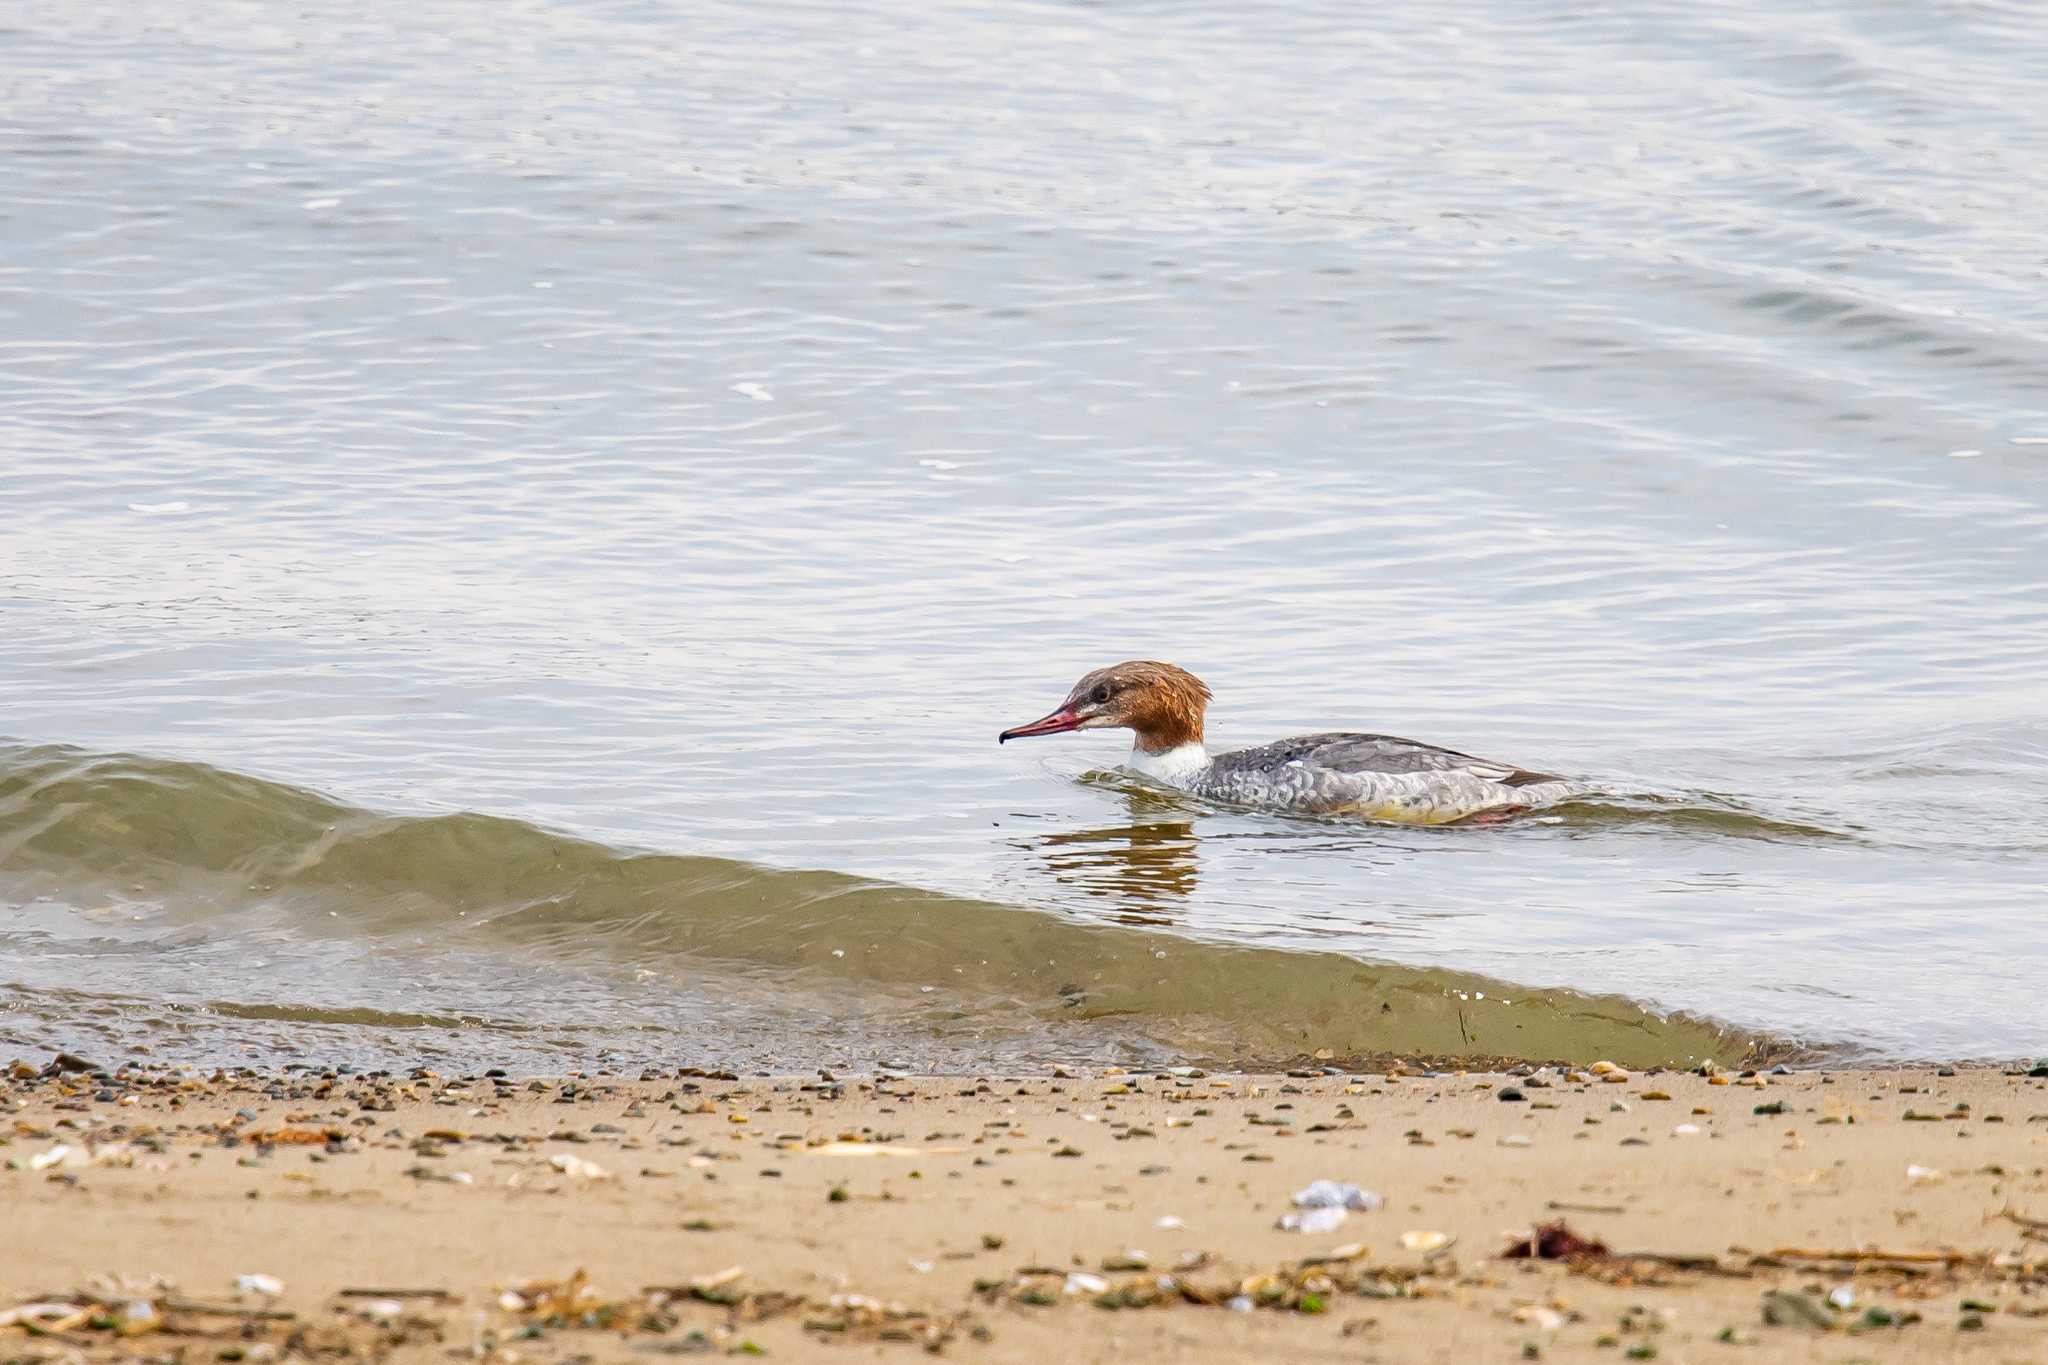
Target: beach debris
65,1157
1873,1256
121,1309
1784,1308
298,1137
1168,1222
1685,1129
2033,1229
264,1286
1921,1175
1555,1241
1309,1285
1324,1194
49,1316
1325,1204
843,1147
549,1298
1540,1316
1315,1220
1425,1241
573,1303
861,1314
703,1286
577,1168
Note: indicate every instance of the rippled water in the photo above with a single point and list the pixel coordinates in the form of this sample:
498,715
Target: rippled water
694,431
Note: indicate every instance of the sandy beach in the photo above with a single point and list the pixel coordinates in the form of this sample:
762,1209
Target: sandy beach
1829,1216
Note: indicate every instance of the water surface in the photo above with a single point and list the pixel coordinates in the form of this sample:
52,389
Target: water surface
693,432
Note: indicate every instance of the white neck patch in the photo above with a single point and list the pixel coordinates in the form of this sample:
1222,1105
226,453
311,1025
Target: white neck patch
1175,766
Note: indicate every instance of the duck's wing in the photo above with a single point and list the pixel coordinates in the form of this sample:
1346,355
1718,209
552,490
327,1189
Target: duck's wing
1385,755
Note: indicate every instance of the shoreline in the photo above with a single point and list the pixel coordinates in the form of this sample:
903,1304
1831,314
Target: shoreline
1102,1214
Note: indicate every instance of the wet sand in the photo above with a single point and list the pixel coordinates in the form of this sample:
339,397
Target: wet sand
1091,1216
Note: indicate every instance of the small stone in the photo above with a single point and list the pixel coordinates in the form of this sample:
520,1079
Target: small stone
1782,1308
1511,1096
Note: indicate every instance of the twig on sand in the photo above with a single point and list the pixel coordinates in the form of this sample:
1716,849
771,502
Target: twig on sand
226,1310
1898,1259
2035,1228
1679,1260
396,1294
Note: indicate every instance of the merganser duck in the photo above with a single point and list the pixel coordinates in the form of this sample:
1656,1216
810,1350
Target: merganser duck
1374,777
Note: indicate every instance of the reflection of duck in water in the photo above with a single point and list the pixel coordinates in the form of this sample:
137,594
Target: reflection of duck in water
1145,864
1377,777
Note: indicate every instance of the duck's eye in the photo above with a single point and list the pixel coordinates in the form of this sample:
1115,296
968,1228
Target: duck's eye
1101,693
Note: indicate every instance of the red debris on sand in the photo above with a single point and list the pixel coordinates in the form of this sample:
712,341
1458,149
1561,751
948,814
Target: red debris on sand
1554,1242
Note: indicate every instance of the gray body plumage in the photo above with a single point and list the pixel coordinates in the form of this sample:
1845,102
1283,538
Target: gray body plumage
1376,777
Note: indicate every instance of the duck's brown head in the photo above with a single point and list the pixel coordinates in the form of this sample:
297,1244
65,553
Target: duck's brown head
1159,702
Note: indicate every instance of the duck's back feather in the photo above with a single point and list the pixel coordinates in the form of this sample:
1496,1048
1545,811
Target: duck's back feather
1346,752
1381,777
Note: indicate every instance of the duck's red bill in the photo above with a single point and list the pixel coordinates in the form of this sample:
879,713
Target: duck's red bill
1059,722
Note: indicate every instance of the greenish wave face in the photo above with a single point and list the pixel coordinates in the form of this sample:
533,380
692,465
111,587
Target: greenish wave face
171,905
